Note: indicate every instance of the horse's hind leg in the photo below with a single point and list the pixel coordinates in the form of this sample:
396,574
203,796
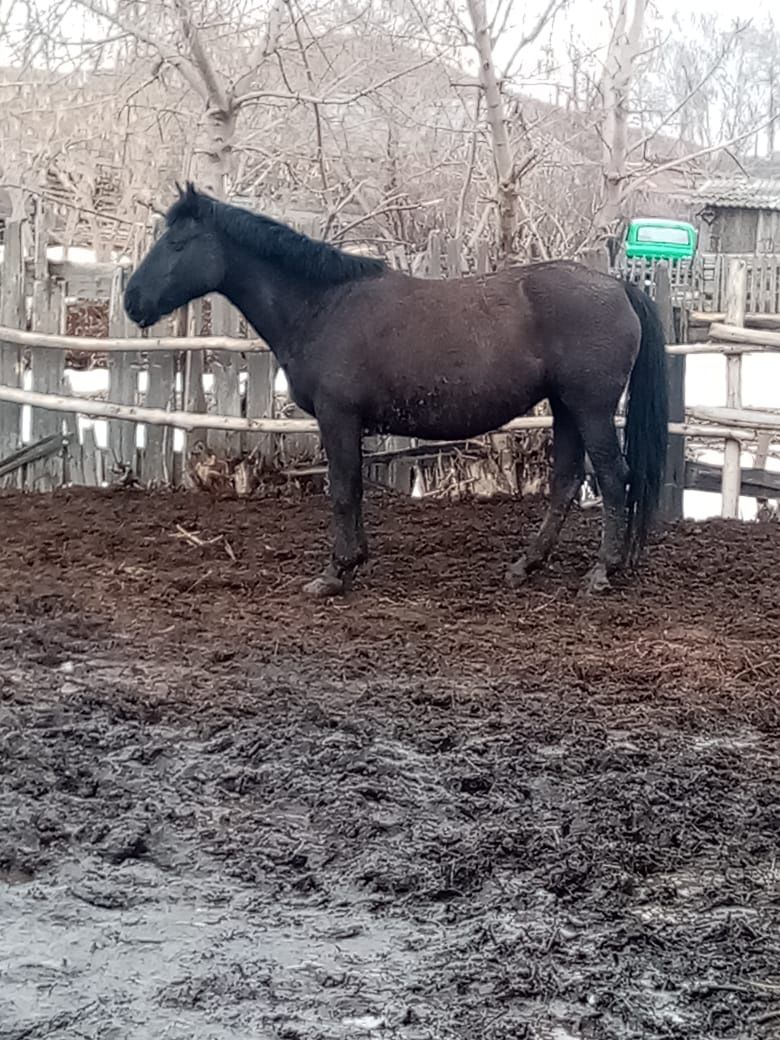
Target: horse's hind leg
603,447
342,440
567,478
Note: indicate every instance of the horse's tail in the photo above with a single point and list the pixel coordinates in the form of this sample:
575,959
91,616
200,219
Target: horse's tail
647,423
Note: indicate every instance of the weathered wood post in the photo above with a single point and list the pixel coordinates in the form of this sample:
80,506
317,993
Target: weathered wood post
193,394
760,459
12,315
225,369
674,480
596,258
156,462
47,365
262,370
123,368
736,302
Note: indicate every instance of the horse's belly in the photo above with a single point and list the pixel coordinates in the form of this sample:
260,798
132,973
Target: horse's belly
445,419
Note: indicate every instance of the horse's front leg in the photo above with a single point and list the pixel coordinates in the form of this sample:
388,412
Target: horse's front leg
342,440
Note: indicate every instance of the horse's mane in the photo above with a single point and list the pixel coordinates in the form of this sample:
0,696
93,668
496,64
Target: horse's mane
269,240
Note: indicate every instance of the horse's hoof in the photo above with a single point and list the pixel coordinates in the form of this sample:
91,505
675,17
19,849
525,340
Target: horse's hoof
596,581
324,587
516,574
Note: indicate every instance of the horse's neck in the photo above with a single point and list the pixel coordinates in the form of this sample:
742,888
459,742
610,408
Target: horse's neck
274,303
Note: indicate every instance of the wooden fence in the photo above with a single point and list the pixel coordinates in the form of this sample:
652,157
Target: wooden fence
169,377
734,340
243,375
702,283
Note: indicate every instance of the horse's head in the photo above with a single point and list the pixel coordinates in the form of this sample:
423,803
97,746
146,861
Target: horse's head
186,261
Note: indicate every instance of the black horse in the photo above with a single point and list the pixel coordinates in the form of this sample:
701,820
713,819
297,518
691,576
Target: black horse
368,349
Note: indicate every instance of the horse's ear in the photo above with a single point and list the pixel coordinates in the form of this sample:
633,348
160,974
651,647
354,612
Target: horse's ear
191,192
179,189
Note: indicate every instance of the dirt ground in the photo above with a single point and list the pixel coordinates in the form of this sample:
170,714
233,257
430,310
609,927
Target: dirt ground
438,809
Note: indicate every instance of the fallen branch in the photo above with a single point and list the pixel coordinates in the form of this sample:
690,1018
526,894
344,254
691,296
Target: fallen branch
194,539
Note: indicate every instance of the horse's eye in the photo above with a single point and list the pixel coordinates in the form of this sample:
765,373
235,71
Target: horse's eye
177,246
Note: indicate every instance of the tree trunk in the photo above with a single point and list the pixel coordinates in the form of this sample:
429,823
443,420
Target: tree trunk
616,85
211,164
506,181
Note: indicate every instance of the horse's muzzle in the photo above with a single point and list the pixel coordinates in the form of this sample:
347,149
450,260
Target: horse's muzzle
137,309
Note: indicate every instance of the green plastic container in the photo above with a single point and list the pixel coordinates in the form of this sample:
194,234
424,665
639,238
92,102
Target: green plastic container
656,239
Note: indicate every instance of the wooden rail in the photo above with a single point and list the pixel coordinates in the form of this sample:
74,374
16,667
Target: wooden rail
204,420
114,344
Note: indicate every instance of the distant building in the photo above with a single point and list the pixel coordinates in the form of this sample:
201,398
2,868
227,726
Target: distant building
739,215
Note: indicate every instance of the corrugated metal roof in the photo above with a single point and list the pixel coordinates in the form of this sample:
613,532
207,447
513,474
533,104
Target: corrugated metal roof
740,193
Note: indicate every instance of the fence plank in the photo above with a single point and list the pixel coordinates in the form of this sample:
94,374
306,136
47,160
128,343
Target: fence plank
157,462
434,265
736,303
674,480
73,462
763,443
123,371
262,370
454,250
48,377
193,394
92,458
225,368
12,314
483,257
755,483
47,367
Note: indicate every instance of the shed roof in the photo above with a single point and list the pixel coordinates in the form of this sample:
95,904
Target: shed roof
740,193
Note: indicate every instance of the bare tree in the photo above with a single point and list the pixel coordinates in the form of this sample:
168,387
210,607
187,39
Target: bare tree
619,68
509,164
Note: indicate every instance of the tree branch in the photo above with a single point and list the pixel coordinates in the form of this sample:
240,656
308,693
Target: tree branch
550,11
217,95
264,49
673,164
692,91
170,57
347,99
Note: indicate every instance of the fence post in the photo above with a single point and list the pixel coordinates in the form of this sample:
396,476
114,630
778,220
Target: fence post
12,315
596,258
225,368
760,459
674,480
261,372
736,300
123,370
47,365
193,394
156,464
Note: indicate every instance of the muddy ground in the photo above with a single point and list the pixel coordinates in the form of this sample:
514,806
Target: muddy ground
439,809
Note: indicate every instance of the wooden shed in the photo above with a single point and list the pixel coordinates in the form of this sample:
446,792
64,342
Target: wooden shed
739,215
